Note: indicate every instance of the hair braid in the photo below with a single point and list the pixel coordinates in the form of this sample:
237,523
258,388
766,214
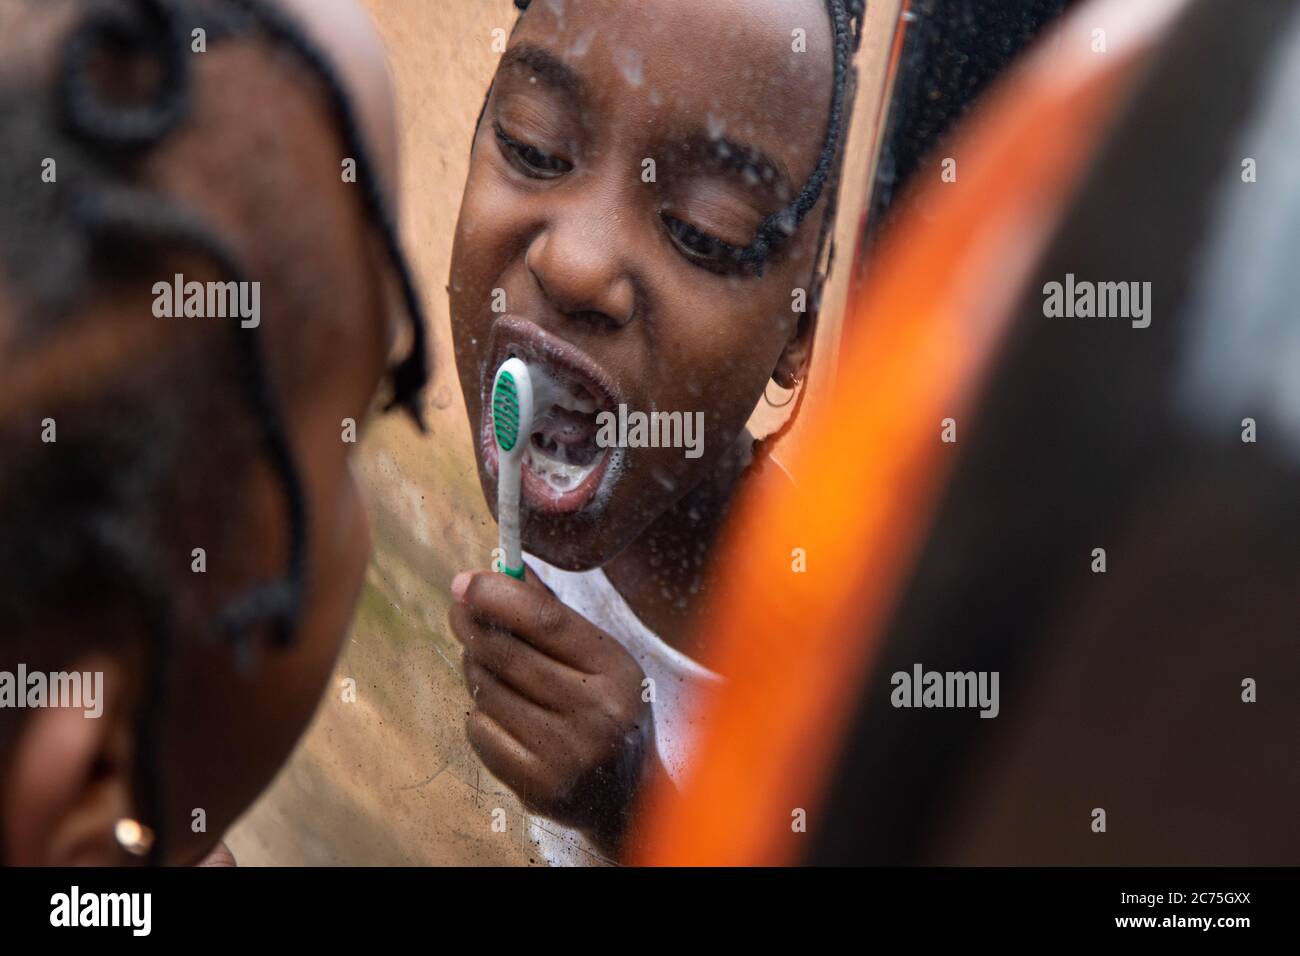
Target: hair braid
114,216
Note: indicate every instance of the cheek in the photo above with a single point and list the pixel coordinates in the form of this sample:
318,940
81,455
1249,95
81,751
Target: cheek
230,730
487,235
338,575
751,328
334,592
488,232
715,372
722,356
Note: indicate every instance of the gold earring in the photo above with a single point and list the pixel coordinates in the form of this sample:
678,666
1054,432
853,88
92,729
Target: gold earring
787,401
133,836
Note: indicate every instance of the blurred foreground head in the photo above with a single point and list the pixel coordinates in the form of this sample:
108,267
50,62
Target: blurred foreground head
178,509
1089,495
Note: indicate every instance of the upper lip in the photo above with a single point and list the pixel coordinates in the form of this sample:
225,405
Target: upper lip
512,333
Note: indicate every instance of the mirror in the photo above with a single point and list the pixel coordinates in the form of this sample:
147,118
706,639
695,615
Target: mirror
642,222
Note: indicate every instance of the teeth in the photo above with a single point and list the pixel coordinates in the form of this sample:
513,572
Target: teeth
555,387
567,395
586,406
560,475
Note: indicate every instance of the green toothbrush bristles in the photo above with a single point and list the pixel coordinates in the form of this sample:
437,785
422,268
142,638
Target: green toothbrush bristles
505,411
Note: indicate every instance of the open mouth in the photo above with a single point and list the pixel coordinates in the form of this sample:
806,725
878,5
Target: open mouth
562,450
563,463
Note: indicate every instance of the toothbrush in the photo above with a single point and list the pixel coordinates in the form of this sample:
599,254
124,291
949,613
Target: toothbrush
512,423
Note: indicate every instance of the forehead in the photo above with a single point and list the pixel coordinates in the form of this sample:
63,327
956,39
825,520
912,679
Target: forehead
760,71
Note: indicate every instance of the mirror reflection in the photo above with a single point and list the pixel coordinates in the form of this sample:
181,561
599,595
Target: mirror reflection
633,209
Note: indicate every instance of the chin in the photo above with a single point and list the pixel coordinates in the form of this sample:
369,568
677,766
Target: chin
571,555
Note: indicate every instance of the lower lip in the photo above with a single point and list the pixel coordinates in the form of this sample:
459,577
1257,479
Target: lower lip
536,492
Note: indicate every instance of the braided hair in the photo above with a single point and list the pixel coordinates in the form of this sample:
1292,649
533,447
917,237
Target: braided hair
112,217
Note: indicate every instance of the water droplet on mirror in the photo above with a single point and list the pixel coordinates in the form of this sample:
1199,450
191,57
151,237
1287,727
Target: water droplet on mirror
557,8
629,64
583,43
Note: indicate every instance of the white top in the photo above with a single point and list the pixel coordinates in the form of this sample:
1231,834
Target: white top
677,680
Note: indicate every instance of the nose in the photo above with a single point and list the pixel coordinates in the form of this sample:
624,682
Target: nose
582,272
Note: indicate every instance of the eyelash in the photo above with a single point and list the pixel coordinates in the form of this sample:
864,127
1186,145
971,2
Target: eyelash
717,256
533,161
696,246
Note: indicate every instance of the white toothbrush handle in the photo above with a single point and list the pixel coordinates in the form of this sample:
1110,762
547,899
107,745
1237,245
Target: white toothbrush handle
508,518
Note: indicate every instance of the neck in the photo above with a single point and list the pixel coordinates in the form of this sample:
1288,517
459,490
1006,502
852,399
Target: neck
665,575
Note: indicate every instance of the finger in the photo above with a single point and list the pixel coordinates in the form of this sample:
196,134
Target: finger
220,855
543,680
535,727
533,581
505,758
537,617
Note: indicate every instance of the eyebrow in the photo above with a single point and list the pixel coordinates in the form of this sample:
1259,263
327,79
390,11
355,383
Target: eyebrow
731,156
721,153
545,64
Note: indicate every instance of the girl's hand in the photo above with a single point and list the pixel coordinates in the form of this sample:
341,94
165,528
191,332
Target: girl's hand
557,714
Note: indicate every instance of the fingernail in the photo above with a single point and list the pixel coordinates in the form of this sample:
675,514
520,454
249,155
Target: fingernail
459,585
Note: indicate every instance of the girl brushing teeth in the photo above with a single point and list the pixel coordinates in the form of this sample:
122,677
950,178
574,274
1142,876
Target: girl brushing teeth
649,184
